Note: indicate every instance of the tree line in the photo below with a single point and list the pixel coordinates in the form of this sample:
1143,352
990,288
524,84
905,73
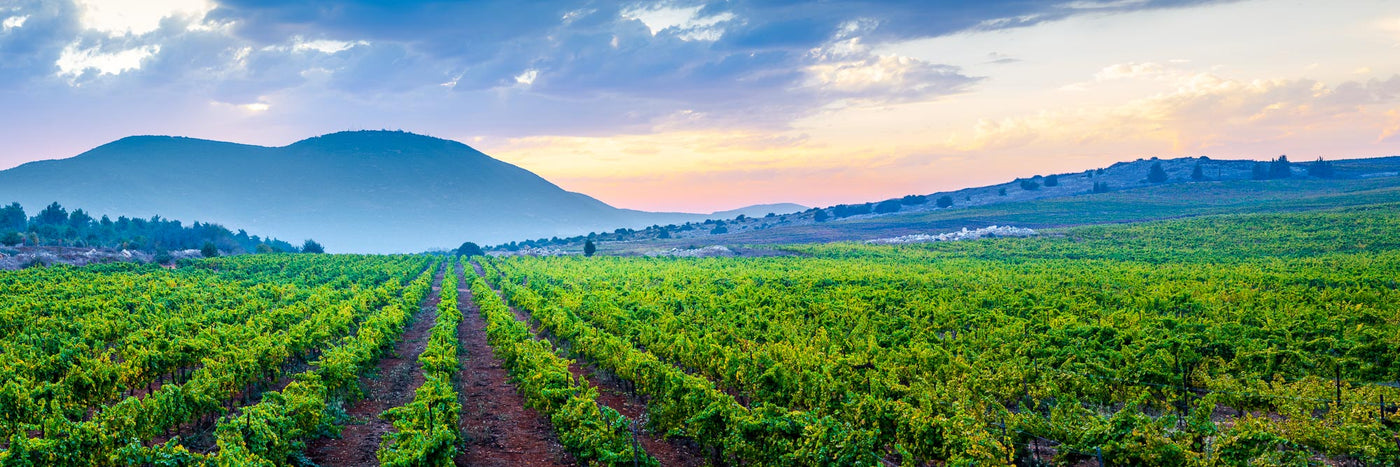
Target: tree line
57,226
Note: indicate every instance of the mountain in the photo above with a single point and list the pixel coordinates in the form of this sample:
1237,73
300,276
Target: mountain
364,191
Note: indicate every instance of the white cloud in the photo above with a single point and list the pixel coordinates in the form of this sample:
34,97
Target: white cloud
527,78
119,17
74,62
325,46
14,22
686,22
1093,5
849,67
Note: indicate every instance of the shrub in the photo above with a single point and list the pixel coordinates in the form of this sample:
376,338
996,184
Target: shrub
945,201
1156,174
888,206
310,246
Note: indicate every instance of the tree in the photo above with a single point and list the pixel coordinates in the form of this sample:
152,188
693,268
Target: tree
470,249
589,248
264,249
821,216
310,246
944,201
1052,180
1260,172
1156,174
52,215
913,199
12,217
1001,191
1197,173
1321,169
1280,168
888,206
1029,185
209,250
663,233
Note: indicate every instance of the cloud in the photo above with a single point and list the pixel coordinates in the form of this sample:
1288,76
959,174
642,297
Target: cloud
14,22
75,62
121,17
849,68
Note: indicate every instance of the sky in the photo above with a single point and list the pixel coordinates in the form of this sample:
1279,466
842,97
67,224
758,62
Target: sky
704,106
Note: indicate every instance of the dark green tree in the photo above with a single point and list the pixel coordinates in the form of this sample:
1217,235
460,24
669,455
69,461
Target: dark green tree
1280,168
1261,171
589,248
888,206
1029,185
1321,169
1156,174
470,249
12,217
1197,173
52,215
944,201
310,246
209,250
914,199
821,216
1052,180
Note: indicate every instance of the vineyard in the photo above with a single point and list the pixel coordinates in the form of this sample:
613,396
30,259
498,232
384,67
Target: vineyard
1258,339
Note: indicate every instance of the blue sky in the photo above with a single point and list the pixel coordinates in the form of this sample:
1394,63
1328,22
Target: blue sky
711,105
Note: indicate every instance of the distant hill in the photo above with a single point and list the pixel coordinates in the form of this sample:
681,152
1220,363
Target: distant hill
1118,193
365,191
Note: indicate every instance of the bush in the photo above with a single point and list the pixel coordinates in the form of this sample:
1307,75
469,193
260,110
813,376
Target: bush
913,199
1029,185
945,201
12,238
1197,173
1001,191
1052,180
821,216
589,248
209,250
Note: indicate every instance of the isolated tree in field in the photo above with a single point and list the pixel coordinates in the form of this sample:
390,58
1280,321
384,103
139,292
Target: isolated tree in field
209,250
944,201
469,249
1156,174
1052,180
1321,169
589,248
310,246
821,216
1197,173
1029,185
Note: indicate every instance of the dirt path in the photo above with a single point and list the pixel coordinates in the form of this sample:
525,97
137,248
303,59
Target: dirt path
497,428
397,376
611,393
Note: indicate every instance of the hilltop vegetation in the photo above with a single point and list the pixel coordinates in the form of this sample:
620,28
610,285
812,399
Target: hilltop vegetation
56,226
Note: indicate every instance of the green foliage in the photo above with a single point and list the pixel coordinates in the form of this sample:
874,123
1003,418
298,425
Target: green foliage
469,250
1029,184
1052,180
820,216
1319,168
944,201
209,250
1197,173
1156,174
310,246
888,206
589,248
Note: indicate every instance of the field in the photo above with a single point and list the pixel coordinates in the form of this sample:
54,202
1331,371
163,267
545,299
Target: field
1226,339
